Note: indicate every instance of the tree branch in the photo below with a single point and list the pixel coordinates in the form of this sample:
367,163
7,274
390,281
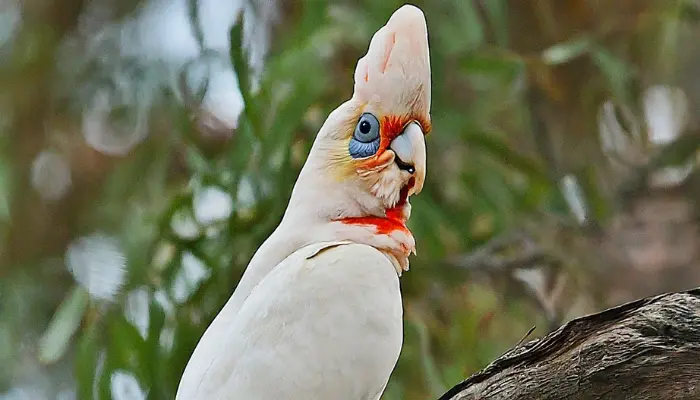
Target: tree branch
647,349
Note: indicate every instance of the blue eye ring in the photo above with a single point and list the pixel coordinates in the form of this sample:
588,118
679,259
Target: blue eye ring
365,140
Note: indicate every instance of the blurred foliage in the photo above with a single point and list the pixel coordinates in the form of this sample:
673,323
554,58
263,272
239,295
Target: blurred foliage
517,88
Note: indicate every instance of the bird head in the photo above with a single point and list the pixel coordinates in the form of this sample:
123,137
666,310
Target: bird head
370,156
391,109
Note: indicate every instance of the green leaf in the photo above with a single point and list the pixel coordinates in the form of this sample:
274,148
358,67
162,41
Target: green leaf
677,153
492,63
154,366
4,191
394,391
291,112
127,349
497,11
615,70
493,186
238,58
313,19
502,152
87,372
689,10
598,206
249,122
65,322
432,374
471,24
196,161
562,53
670,41
195,22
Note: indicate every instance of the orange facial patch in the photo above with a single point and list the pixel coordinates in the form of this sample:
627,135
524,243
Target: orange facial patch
390,127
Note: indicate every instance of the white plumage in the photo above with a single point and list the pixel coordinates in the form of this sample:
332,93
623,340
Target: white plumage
318,313
325,324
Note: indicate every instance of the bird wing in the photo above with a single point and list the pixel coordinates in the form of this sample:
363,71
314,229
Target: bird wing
325,323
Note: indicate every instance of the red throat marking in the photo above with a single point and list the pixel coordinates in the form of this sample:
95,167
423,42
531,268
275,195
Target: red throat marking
394,216
384,226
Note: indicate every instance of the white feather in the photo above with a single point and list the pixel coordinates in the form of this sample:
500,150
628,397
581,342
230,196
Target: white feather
317,313
324,324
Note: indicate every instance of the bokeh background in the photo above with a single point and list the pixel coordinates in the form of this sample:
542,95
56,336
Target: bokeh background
147,147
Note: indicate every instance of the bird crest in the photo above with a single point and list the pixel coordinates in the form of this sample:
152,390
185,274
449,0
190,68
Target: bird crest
395,73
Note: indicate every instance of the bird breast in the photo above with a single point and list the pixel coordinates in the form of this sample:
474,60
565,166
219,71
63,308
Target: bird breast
325,323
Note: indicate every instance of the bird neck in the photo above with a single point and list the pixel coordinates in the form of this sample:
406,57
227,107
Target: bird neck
297,231
319,211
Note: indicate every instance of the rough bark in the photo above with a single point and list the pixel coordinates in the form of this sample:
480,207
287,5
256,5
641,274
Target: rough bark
647,349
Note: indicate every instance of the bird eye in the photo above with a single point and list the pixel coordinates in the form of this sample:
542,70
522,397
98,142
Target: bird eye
367,128
365,140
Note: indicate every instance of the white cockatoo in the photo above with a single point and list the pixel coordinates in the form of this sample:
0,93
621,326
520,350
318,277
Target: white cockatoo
318,311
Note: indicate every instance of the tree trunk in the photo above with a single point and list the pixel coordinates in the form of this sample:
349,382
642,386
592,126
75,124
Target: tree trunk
647,349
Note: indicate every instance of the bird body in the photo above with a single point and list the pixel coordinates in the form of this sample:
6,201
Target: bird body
307,309
318,311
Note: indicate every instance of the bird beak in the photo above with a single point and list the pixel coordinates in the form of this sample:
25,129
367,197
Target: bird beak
409,148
